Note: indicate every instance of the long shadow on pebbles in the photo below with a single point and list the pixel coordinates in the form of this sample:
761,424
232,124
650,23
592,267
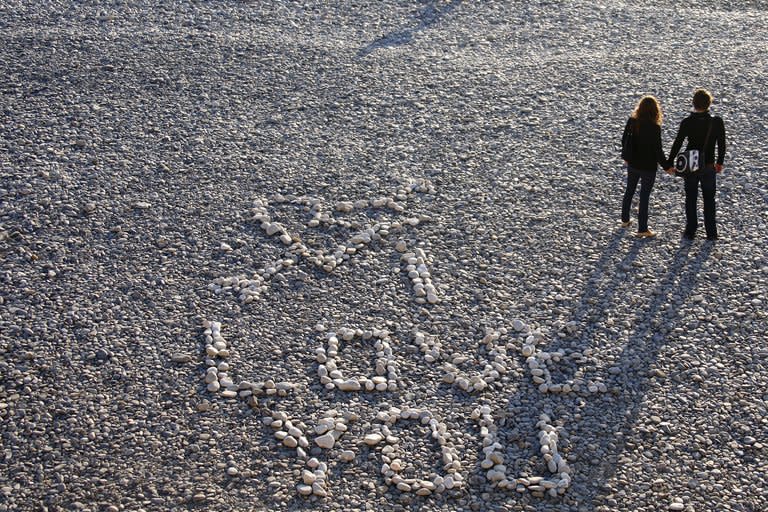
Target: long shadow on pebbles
604,424
653,325
428,17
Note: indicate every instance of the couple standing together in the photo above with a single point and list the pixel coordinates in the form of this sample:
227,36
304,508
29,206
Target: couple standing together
642,152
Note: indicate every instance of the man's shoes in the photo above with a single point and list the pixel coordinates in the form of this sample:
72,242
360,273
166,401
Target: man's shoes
645,234
625,224
712,238
687,236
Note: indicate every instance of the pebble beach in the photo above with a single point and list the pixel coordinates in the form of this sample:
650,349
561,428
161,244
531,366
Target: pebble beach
367,255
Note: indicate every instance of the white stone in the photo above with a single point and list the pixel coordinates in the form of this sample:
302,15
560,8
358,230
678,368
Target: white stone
495,476
308,477
344,206
403,487
349,385
179,357
325,441
373,439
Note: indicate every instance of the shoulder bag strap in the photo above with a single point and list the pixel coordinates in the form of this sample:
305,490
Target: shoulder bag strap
706,140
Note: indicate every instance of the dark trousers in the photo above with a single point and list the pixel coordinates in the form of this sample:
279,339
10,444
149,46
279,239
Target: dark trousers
646,179
707,179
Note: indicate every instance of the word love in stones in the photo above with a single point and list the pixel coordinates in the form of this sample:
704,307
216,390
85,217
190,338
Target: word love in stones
503,349
332,426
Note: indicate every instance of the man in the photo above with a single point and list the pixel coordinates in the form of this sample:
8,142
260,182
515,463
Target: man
703,131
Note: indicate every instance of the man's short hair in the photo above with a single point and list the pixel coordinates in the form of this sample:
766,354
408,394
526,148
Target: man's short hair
702,99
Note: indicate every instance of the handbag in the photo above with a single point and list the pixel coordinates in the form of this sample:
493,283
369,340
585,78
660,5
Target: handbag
627,141
690,161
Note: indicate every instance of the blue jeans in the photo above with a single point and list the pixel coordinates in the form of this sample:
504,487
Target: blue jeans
646,179
707,178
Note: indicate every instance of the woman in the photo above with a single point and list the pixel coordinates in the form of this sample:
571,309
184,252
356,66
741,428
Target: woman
641,150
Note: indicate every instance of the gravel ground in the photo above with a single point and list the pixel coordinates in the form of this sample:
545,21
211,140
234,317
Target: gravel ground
215,217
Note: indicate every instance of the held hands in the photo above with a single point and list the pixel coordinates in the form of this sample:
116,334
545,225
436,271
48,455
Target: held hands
670,171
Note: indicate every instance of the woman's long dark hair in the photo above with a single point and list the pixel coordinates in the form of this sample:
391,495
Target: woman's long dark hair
648,109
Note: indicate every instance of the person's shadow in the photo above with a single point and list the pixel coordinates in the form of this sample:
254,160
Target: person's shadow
604,422
603,283
430,15
652,325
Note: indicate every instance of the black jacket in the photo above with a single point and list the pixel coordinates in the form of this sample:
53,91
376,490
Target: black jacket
645,138
694,128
